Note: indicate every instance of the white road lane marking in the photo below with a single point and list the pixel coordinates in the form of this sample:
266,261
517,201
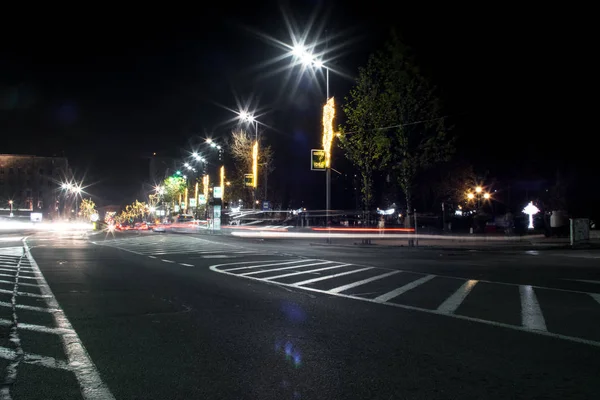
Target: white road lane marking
262,271
361,282
28,308
35,359
322,278
584,280
265,265
20,283
167,261
12,369
22,277
91,384
402,289
186,265
25,294
545,333
452,303
531,313
304,272
595,296
151,257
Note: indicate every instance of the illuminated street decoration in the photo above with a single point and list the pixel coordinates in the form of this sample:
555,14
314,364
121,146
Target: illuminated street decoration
205,183
255,163
531,210
222,182
328,116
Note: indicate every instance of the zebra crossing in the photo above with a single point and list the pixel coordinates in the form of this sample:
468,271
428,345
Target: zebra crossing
31,324
158,246
559,313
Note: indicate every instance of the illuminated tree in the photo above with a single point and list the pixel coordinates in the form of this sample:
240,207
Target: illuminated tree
393,120
139,210
240,144
87,208
173,187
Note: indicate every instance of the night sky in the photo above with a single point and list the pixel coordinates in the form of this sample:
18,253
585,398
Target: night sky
109,89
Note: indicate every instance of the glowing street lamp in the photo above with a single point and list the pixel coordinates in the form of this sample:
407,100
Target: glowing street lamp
531,210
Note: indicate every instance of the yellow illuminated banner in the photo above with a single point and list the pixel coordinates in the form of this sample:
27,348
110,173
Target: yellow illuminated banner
317,160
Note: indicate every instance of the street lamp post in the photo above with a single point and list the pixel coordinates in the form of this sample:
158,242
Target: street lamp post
308,59
244,116
10,203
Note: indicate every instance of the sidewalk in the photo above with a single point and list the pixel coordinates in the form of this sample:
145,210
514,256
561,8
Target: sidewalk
478,242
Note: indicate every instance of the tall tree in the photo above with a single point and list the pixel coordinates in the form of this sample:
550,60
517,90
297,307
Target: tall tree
88,208
394,120
173,187
240,144
363,140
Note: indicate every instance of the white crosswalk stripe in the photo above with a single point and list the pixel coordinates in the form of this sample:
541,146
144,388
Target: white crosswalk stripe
520,307
17,264
176,244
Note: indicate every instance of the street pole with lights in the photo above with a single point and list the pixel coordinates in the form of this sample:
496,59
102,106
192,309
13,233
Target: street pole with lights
244,116
309,59
222,176
10,203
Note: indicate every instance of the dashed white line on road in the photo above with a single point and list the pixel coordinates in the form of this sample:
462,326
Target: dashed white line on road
151,257
167,261
584,280
36,328
35,359
26,307
90,382
216,256
186,265
26,294
20,283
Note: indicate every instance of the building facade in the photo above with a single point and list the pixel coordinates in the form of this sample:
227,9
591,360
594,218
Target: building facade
32,183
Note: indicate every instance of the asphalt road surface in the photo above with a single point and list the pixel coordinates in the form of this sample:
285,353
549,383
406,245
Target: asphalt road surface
166,316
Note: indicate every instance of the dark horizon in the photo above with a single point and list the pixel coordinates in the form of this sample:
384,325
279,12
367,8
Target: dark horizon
111,103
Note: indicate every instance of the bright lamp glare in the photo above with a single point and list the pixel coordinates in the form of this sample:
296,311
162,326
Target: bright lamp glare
298,50
195,155
318,64
306,58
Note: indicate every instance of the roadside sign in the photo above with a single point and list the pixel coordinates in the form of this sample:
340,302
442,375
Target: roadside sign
217,192
317,160
248,180
202,199
266,206
193,203
217,218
